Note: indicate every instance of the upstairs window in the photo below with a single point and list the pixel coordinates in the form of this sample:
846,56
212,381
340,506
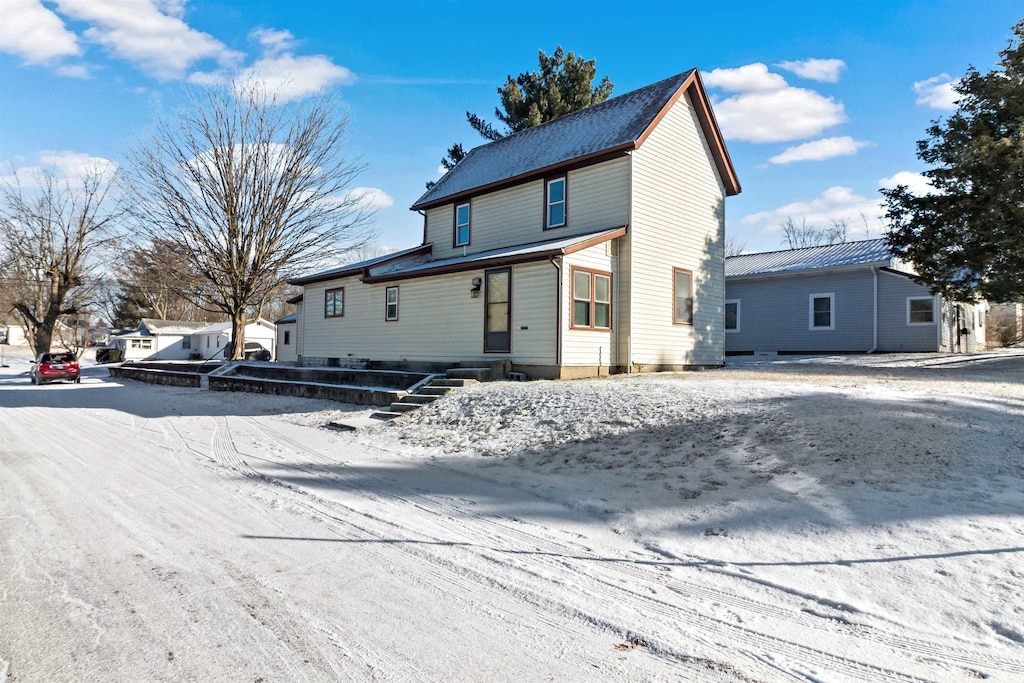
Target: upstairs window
334,303
682,295
920,310
556,203
461,225
821,311
591,299
732,315
391,305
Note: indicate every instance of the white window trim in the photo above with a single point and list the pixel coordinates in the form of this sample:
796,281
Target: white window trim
547,208
831,296
921,298
468,224
738,307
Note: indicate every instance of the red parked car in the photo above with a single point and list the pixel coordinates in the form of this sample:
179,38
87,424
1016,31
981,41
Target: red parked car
54,365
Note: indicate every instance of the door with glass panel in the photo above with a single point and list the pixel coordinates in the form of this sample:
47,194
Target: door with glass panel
498,311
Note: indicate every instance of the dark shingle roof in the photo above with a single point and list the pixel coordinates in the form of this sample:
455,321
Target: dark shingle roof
612,124
830,256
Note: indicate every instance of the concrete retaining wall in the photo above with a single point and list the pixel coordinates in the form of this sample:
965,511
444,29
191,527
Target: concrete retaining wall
155,376
335,392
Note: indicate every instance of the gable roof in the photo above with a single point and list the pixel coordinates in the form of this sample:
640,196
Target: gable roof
225,327
613,126
866,252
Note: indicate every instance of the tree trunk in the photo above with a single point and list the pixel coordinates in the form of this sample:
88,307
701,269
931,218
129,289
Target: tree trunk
238,335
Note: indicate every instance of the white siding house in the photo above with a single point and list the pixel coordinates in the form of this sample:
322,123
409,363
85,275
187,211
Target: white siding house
158,340
287,343
590,244
211,340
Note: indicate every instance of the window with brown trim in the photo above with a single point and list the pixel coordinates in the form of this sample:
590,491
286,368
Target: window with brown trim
461,235
391,304
555,203
591,299
682,296
334,303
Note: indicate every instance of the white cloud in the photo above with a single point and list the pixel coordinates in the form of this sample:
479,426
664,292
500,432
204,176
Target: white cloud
273,41
369,198
768,109
819,150
441,170
835,203
34,33
916,183
292,78
150,34
67,165
75,71
824,70
937,92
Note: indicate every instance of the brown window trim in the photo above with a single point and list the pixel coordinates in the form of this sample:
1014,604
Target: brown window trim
386,304
455,225
593,301
675,321
327,293
565,201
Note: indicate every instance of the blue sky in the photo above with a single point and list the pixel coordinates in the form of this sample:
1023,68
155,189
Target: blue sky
820,103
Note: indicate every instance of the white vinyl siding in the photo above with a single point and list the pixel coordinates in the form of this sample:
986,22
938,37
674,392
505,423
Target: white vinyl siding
597,198
440,320
678,220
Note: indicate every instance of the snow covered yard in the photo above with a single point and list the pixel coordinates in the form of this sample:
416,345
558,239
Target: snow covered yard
792,519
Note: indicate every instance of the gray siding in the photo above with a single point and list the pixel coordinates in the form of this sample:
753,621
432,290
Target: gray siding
894,333
774,313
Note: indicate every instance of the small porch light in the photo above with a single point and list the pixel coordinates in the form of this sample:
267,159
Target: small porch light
477,284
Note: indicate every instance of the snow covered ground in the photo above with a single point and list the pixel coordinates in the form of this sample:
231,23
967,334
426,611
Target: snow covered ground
826,519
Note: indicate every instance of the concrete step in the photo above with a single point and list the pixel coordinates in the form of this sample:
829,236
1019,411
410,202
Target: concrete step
402,407
422,399
434,390
479,374
453,383
385,415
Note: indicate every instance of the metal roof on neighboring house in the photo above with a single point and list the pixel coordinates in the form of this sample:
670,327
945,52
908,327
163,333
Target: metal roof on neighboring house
291,318
618,124
865,252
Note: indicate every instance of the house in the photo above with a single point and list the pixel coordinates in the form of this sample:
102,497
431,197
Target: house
157,340
13,333
212,340
286,339
854,297
593,243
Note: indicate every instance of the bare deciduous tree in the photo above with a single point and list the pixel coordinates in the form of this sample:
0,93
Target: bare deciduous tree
733,247
252,190
800,235
53,229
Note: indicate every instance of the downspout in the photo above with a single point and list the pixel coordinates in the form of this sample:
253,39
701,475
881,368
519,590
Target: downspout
874,336
558,314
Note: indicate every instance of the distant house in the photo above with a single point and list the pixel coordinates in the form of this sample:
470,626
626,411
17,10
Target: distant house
212,340
158,340
589,244
286,339
13,333
842,298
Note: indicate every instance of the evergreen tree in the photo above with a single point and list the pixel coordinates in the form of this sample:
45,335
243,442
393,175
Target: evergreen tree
967,238
562,84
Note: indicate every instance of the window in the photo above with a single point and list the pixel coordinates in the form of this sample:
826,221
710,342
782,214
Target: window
391,307
920,310
142,343
555,203
682,294
820,311
461,225
591,299
287,337
334,303
186,342
732,315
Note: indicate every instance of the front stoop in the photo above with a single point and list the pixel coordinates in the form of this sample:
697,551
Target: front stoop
438,387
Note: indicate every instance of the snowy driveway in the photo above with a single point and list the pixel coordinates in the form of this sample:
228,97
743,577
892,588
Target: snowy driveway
761,524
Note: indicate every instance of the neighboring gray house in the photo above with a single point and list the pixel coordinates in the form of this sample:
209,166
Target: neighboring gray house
286,339
589,244
841,298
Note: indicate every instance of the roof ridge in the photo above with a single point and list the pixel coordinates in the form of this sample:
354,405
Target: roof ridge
818,246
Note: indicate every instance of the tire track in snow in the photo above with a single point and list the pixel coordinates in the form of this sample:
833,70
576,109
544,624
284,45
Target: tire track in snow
955,658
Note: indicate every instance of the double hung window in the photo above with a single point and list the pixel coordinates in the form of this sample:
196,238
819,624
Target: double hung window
682,295
555,201
391,305
591,299
461,225
821,311
920,310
